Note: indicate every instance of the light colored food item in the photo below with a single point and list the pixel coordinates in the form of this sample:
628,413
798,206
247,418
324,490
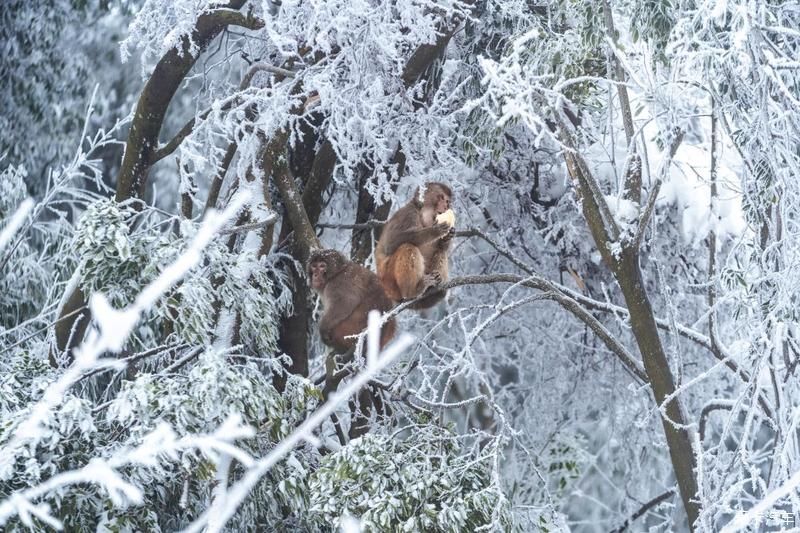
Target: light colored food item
448,217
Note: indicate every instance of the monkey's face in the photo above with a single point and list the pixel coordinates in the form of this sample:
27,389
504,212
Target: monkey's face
317,272
436,202
442,202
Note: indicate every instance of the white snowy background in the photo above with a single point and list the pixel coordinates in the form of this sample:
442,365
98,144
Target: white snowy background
628,251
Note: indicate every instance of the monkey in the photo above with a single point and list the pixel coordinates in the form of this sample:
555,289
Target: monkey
349,292
411,254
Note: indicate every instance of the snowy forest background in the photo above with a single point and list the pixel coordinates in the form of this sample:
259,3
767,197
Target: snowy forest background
618,349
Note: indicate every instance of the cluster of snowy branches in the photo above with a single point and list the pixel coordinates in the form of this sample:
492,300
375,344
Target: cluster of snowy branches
619,344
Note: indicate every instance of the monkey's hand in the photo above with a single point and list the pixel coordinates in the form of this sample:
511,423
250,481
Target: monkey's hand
442,229
431,280
449,235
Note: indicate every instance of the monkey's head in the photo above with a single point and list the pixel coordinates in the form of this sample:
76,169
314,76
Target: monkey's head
323,265
433,200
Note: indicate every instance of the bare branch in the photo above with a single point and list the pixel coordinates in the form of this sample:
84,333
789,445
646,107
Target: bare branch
554,293
661,498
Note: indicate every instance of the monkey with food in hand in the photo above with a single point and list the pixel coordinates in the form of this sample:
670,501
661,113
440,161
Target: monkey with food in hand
412,252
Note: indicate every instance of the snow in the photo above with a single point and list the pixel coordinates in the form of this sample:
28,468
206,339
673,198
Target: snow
689,189
514,407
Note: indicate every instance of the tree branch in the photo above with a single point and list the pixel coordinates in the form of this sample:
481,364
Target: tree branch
651,200
708,408
661,498
596,211
553,292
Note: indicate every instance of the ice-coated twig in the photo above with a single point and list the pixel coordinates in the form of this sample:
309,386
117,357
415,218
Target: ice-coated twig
114,326
16,221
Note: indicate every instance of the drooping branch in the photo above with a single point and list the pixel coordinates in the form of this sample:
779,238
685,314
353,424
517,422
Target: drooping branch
567,302
710,407
589,303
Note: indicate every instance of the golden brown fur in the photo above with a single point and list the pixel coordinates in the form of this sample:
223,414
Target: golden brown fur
411,255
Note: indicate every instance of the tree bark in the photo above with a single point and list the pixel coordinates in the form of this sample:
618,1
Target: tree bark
142,143
368,209
625,267
656,364
158,92
293,338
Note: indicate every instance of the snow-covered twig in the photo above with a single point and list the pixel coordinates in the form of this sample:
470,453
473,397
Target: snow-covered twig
114,327
16,221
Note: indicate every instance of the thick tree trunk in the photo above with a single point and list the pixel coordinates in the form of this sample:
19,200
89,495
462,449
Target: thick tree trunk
656,364
361,240
142,143
643,324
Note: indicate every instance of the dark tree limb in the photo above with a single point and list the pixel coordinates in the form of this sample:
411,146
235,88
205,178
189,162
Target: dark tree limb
661,498
304,236
625,267
219,177
710,407
142,142
169,148
71,324
633,176
293,339
368,208
425,54
318,181
158,92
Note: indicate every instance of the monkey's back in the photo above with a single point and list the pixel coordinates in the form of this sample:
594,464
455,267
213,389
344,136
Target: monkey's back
403,219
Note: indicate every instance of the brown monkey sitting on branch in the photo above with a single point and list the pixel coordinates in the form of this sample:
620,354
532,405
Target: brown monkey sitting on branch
349,292
411,255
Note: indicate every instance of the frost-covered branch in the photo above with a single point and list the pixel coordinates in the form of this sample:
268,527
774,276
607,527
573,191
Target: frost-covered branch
554,293
105,472
114,327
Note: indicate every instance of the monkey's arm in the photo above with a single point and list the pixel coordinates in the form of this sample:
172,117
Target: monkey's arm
415,235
